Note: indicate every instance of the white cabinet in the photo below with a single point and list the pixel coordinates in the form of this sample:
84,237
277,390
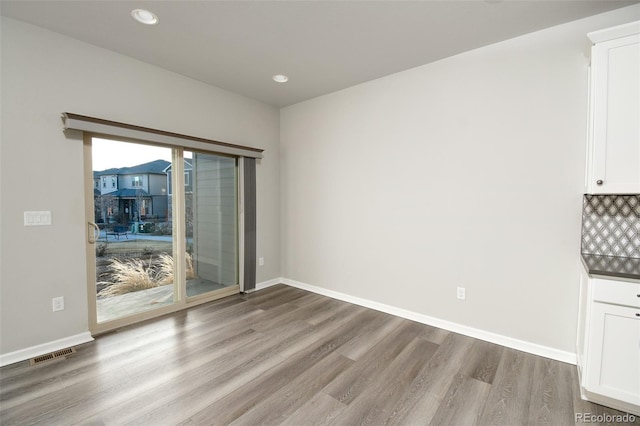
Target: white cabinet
613,143
609,342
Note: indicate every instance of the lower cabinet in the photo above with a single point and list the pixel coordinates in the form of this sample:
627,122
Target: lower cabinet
609,342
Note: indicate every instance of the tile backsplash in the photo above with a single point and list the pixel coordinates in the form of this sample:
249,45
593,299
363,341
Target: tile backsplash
611,225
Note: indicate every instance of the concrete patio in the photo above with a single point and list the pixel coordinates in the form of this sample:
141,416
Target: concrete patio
109,308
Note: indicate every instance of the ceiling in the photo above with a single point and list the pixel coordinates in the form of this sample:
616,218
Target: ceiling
323,46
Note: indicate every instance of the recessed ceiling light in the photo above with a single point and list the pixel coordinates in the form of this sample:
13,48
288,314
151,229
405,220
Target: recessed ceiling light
144,17
280,78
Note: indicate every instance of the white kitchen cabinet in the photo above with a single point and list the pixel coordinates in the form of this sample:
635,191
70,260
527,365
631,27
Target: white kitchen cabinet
613,143
609,342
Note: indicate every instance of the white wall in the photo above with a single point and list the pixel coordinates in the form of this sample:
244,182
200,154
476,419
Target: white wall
464,172
45,74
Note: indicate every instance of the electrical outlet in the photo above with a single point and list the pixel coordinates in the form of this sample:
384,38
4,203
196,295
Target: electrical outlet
261,261
58,304
461,293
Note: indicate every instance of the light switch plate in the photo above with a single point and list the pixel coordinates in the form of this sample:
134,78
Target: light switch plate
37,218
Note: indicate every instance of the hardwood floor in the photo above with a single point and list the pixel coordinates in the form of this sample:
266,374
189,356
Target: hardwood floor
287,356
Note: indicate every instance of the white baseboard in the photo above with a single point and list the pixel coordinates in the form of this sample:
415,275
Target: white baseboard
521,345
269,283
510,342
44,348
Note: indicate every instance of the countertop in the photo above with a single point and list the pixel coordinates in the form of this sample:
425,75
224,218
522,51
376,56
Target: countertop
612,266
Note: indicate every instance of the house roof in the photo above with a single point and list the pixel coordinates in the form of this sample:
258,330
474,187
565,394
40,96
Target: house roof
152,167
128,193
187,165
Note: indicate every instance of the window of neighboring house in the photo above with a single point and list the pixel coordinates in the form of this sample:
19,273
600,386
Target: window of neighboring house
97,184
113,181
136,181
186,178
104,182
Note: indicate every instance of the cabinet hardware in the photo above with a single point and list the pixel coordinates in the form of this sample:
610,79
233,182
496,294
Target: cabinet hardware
599,182
637,314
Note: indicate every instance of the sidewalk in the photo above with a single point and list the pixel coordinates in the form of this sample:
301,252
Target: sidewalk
133,237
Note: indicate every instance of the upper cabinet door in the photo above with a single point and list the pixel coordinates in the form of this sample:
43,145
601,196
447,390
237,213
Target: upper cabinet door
614,132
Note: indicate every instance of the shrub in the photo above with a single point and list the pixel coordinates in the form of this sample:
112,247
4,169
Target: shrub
135,275
101,250
166,268
128,276
163,228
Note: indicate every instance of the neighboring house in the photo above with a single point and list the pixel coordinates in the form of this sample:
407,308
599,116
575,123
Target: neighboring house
130,194
188,190
188,176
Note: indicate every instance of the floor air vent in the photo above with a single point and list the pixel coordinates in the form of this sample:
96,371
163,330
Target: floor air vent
53,355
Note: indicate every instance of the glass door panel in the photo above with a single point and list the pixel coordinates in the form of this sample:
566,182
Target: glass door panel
134,249
211,221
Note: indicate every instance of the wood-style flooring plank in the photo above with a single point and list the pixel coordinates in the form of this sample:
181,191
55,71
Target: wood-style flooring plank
79,398
276,298
374,404
551,395
359,346
158,383
233,372
283,355
297,343
276,407
198,385
332,307
358,378
233,405
434,379
463,403
292,313
435,335
422,411
482,362
509,400
154,349
311,298
320,410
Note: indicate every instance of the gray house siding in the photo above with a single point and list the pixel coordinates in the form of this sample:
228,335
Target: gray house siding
132,193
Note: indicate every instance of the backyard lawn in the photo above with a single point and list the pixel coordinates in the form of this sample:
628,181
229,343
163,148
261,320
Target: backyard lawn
133,247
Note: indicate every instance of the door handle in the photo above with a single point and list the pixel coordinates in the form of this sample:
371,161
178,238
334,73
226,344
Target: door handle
95,230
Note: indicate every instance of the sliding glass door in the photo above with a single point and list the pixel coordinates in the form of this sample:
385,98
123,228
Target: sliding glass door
163,230
134,247
211,220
